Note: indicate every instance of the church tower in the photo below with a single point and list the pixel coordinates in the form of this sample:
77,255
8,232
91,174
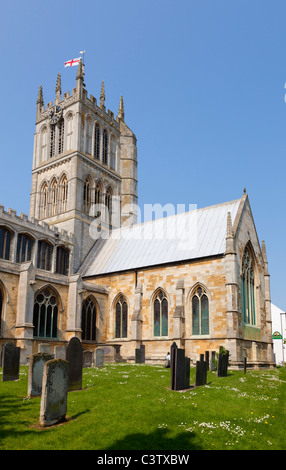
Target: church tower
84,177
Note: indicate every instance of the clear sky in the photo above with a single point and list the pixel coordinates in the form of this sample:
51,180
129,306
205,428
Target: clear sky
203,87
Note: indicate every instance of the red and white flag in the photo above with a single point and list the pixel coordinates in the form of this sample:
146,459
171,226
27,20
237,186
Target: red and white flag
71,63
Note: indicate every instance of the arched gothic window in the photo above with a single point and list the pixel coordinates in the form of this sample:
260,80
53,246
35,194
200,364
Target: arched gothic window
200,312
43,208
54,197
121,316
87,187
112,152
5,242
105,147
97,141
108,203
160,314
63,194
45,252
44,148
69,131
88,135
45,317
24,248
247,288
61,128
88,320
62,264
52,141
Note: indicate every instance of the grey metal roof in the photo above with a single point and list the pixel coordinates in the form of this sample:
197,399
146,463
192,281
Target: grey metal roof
196,234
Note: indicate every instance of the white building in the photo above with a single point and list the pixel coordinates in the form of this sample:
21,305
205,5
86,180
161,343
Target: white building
278,334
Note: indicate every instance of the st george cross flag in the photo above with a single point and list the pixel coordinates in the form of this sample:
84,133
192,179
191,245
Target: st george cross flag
72,62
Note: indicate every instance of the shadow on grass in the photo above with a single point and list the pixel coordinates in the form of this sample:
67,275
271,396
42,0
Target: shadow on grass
157,440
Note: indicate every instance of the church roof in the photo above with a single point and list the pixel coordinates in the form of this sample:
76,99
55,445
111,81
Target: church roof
196,234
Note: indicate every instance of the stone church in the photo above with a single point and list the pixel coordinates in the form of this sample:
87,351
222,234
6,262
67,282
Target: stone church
80,264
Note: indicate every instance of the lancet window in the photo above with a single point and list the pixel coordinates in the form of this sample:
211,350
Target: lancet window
97,141
247,288
88,320
24,248
161,314
5,243
121,315
200,312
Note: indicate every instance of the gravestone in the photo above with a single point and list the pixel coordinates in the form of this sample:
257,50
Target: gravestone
60,352
140,355
74,358
207,359
201,373
222,364
213,361
44,348
54,392
178,369
10,362
87,358
99,357
36,370
244,364
187,372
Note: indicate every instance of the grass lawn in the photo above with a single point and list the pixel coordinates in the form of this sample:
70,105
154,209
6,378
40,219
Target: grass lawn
131,406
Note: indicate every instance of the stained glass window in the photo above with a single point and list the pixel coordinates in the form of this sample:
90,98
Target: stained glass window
88,320
45,318
5,242
200,312
160,314
121,318
247,289
24,248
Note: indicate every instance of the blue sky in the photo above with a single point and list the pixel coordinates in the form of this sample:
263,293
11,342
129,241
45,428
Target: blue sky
203,86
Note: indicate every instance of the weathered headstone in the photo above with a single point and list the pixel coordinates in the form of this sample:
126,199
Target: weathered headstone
213,361
60,352
74,358
54,392
10,362
140,355
222,364
87,358
207,359
99,357
201,373
187,372
36,370
44,348
142,349
244,364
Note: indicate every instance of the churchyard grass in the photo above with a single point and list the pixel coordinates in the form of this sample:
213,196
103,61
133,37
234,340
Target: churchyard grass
131,406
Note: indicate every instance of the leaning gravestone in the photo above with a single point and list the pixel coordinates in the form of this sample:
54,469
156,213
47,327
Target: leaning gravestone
99,357
11,362
74,358
54,392
36,370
